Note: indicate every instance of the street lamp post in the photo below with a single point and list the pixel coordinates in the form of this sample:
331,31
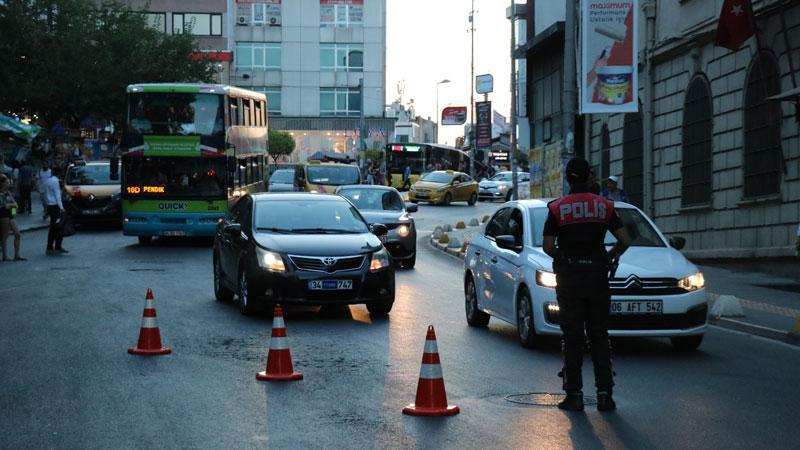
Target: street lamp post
438,114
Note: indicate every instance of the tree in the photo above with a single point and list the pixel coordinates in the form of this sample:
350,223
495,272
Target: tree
281,143
71,59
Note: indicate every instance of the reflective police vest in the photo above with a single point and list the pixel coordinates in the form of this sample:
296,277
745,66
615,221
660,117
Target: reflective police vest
582,208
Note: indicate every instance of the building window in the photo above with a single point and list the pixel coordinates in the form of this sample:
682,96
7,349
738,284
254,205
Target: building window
341,13
268,13
763,158
156,21
265,55
339,101
546,100
341,57
605,152
197,24
632,158
698,131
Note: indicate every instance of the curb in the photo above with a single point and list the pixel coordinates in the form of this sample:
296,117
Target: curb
450,251
35,228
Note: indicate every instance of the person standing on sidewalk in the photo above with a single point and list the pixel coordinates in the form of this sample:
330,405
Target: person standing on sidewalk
25,187
7,223
580,221
42,175
55,209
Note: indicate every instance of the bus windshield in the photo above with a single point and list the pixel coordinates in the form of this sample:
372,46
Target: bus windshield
332,175
173,177
176,113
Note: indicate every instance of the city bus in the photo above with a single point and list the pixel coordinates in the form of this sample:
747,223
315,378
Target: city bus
189,151
324,177
424,158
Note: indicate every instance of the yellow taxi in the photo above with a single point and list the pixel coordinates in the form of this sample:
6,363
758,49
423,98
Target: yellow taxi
92,193
443,187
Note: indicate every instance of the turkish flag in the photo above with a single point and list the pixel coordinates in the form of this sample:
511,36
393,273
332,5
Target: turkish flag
736,24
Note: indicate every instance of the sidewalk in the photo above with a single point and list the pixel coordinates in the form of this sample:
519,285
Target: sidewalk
33,221
770,303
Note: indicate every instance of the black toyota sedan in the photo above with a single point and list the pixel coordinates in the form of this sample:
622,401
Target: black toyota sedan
296,248
384,205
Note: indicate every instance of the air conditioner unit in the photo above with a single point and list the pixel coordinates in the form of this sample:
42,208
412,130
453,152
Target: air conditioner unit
246,75
241,20
275,21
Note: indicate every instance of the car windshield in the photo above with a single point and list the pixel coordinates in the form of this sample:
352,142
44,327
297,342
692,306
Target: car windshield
640,231
95,175
175,113
438,177
374,199
282,176
308,216
502,176
332,175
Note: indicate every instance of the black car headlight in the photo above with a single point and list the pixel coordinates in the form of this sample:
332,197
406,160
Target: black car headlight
403,230
271,261
380,260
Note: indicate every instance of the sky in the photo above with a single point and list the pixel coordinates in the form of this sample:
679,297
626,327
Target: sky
428,41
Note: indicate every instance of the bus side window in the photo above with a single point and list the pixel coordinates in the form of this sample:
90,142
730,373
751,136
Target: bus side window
234,111
246,111
263,113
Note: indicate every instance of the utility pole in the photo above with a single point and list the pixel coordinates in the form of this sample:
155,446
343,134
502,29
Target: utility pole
570,83
512,132
472,92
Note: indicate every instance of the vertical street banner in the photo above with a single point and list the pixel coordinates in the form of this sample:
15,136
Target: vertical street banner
609,77
483,125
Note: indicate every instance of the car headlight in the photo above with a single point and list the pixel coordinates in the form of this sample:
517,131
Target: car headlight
693,282
380,260
403,230
502,187
270,261
546,279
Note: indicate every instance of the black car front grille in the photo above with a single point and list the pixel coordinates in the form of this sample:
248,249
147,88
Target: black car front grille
329,264
634,285
85,202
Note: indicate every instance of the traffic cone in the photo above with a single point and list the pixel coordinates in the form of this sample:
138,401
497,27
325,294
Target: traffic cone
279,359
431,396
149,337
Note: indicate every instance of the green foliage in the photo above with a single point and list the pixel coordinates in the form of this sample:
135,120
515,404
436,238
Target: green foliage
281,143
69,59
374,155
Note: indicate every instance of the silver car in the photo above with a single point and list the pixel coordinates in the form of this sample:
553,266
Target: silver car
500,186
281,180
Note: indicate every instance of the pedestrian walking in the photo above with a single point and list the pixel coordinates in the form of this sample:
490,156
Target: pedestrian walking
370,174
42,175
580,221
26,181
7,223
55,209
407,176
612,190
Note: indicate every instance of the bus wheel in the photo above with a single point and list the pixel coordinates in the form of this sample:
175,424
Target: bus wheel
473,199
145,240
447,199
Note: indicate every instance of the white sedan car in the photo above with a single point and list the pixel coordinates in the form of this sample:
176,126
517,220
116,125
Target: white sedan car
656,291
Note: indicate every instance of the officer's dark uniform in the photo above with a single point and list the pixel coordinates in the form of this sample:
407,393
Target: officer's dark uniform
579,221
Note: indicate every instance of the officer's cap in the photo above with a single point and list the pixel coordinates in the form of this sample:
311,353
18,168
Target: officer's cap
577,170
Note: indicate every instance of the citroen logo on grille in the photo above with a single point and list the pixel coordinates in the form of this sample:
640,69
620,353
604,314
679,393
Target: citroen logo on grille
633,281
329,261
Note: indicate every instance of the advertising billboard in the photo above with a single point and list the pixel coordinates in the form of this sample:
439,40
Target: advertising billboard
483,125
454,115
609,76
484,84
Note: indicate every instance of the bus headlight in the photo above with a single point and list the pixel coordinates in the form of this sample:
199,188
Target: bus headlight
380,260
546,279
270,261
693,282
403,230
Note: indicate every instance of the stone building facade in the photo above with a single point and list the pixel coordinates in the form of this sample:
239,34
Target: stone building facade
708,155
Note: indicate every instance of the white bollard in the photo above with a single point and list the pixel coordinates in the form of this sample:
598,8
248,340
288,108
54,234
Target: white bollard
727,306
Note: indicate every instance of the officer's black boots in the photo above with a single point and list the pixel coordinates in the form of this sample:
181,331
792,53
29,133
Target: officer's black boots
572,402
605,402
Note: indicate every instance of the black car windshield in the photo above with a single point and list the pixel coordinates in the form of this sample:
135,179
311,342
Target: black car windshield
374,199
95,174
308,216
282,176
175,113
333,175
640,231
173,177
438,177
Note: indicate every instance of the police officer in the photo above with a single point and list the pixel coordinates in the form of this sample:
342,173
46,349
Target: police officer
579,222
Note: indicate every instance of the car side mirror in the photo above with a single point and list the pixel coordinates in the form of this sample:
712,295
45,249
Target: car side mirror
506,242
233,228
378,229
412,207
677,242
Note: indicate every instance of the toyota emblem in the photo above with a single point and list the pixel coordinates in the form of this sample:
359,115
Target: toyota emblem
329,261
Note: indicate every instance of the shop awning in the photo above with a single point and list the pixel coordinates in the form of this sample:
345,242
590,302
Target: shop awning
17,128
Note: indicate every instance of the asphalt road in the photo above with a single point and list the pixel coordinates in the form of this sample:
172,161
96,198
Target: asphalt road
69,382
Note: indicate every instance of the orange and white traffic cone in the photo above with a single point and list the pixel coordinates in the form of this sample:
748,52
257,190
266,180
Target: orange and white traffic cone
431,396
279,359
149,337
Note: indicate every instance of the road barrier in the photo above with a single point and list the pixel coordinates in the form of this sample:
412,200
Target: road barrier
149,336
460,225
444,239
485,219
474,222
431,396
279,359
447,227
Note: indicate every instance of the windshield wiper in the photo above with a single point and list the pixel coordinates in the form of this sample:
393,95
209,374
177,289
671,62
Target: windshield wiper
273,229
322,230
